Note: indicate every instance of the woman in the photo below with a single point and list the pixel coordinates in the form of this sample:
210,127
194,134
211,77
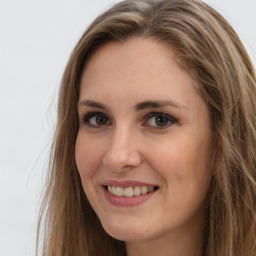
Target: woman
154,149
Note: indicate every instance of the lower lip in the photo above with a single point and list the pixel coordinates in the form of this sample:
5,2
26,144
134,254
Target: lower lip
126,201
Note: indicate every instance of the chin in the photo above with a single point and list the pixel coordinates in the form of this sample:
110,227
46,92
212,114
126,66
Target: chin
124,231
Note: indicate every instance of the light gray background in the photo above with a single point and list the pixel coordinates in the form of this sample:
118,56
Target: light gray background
36,38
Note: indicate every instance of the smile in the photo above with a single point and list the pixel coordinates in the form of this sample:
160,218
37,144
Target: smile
130,191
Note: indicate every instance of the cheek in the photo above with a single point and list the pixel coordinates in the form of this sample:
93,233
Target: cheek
87,155
182,161
184,168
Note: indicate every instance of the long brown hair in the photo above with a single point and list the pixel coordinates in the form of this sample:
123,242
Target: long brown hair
210,50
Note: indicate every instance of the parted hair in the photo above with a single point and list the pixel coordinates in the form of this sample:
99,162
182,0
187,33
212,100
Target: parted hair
210,50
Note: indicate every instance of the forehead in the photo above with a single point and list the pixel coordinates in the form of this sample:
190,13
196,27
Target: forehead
142,64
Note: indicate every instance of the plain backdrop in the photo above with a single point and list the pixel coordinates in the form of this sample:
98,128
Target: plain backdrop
36,38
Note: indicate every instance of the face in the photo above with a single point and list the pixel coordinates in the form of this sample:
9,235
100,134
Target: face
143,145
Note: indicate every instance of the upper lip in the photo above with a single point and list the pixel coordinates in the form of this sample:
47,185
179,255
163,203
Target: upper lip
126,183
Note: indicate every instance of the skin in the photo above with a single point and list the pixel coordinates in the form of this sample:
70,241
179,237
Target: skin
127,144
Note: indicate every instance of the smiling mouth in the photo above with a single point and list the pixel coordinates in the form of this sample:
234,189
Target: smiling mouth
130,191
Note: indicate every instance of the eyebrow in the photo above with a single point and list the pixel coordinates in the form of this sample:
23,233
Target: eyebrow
91,103
158,104
138,107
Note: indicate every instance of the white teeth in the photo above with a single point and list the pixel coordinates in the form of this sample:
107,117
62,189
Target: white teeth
130,191
144,190
119,191
136,191
113,192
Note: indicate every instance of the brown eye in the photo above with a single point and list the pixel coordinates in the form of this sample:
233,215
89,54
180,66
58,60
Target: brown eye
96,119
160,120
101,120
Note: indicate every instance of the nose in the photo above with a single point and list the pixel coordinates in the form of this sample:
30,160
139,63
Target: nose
123,151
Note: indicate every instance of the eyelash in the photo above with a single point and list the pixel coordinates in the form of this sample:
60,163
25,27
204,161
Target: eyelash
170,120
87,117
